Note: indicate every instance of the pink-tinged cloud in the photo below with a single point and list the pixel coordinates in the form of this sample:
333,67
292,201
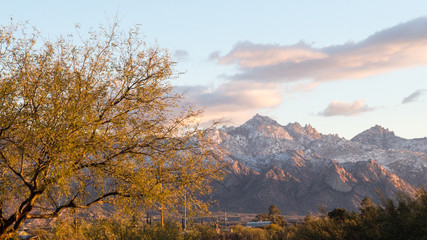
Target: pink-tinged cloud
235,100
337,108
414,96
402,46
249,55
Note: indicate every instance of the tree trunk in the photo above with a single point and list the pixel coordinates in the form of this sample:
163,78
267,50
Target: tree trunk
14,222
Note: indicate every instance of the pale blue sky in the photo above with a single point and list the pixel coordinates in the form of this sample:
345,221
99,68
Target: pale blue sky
295,61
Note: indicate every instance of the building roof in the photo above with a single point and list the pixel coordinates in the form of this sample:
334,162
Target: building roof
258,224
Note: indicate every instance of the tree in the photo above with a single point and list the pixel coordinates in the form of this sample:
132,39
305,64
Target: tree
273,210
368,222
94,123
338,215
273,216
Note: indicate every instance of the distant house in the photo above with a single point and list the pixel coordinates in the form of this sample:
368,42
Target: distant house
258,224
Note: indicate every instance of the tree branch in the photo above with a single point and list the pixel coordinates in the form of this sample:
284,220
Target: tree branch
18,174
72,204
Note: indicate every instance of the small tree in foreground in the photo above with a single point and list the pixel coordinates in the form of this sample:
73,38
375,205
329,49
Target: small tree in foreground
273,216
94,123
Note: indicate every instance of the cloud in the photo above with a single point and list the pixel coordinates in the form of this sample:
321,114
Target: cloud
263,69
249,55
181,55
337,108
402,46
214,56
414,96
236,100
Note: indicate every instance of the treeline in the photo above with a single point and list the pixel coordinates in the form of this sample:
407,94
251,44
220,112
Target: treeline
401,218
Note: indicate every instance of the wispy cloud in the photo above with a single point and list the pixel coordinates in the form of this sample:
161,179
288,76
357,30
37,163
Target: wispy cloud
337,108
414,96
214,56
181,55
401,46
249,55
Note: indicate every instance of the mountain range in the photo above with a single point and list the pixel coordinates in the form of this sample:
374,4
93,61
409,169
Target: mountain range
301,170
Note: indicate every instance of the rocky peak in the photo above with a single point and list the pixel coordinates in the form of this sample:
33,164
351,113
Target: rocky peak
378,136
299,132
262,126
375,131
258,120
311,131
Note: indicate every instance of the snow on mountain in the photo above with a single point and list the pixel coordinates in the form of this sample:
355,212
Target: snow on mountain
380,137
386,139
303,182
262,142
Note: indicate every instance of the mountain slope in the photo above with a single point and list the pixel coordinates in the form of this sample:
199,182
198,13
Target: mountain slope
305,182
300,168
261,142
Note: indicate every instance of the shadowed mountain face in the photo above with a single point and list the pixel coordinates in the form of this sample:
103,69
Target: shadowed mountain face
298,169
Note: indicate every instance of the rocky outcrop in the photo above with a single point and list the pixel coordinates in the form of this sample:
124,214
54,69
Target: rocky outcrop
299,169
304,183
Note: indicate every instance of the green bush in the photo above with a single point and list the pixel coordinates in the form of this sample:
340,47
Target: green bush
404,218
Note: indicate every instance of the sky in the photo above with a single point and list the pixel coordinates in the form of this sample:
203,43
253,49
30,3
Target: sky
340,66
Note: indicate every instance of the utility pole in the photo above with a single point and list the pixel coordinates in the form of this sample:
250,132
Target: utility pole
148,222
162,215
161,190
185,211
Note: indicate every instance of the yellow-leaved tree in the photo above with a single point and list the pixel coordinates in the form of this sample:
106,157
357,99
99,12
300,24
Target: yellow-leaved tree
94,122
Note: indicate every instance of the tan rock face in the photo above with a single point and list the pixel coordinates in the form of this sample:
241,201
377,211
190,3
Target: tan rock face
338,179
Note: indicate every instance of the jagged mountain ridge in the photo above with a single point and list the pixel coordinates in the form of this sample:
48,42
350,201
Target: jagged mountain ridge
261,141
300,168
303,183
386,139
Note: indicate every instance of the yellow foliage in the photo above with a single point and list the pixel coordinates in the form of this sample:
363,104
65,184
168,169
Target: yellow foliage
93,123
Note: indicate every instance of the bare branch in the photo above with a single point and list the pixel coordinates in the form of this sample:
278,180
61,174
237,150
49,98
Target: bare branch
72,204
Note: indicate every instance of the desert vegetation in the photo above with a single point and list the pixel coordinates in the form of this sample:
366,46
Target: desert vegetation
402,218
